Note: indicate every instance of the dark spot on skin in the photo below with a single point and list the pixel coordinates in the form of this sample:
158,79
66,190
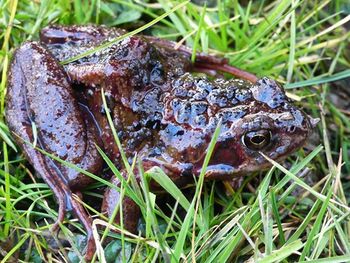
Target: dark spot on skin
242,94
180,92
153,124
137,126
180,133
157,74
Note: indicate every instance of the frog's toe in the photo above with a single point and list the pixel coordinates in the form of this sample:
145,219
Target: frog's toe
85,219
61,214
90,247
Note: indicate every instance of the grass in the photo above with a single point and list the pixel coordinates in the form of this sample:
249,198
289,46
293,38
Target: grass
297,211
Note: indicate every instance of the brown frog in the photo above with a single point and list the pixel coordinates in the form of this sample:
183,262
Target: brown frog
162,112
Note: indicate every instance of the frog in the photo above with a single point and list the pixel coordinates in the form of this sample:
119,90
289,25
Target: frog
164,107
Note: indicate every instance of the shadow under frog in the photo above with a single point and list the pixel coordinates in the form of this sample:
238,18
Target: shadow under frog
161,111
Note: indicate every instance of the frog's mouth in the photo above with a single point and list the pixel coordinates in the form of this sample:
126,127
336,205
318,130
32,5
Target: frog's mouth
225,171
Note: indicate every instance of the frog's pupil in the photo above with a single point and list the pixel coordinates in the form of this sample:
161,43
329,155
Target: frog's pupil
258,139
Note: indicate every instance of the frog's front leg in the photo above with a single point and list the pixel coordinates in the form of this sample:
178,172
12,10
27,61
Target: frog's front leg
39,93
179,174
130,210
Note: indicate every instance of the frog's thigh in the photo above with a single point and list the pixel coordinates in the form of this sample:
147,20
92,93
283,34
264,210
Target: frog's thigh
23,75
56,113
39,93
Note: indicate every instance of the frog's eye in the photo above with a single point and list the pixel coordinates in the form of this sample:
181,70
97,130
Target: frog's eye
257,140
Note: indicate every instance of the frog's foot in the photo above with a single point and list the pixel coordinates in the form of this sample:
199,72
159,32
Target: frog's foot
61,213
94,35
78,210
68,201
86,220
80,34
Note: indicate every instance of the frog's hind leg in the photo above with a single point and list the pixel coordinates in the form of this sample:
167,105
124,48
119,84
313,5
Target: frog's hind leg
39,93
65,42
202,65
59,34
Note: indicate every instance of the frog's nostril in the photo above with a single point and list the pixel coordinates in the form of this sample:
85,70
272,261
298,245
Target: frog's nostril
292,128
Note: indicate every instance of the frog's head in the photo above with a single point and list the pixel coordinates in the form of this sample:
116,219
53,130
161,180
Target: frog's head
270,124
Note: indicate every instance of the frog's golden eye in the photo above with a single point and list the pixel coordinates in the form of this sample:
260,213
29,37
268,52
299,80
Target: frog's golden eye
257,140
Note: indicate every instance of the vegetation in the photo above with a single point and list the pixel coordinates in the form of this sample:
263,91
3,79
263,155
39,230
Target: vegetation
297,211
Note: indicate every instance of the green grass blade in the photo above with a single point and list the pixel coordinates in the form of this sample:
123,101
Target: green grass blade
337,259
283,252
292,44
319,80
316,226
196,38
164,181
277,217
6,139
